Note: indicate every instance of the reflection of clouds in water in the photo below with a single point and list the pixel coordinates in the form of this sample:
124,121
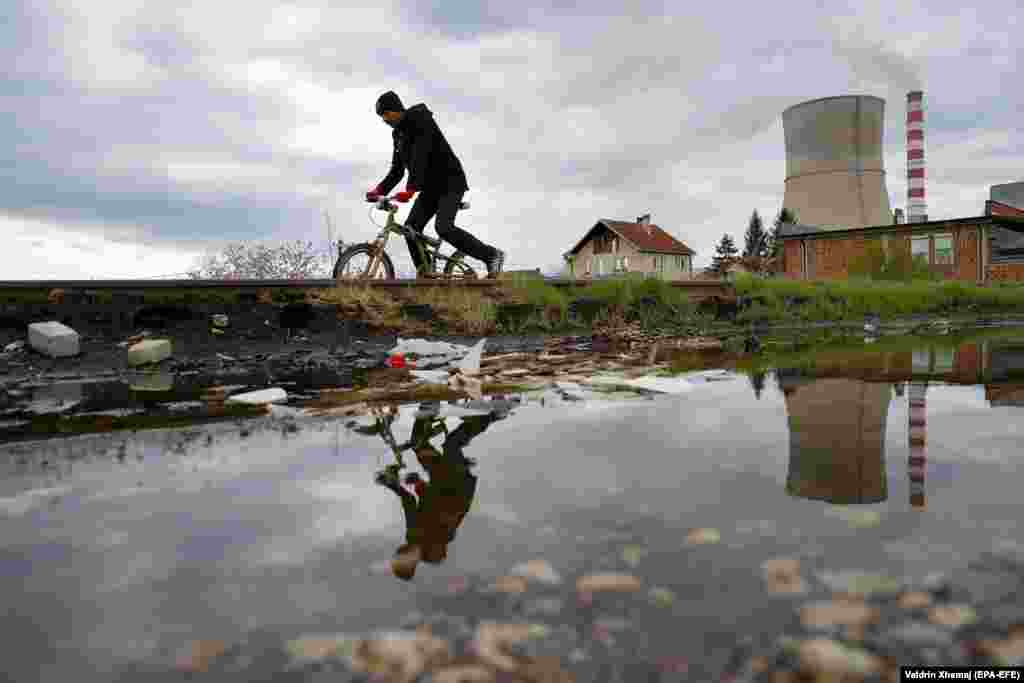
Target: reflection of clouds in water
22,503
953,399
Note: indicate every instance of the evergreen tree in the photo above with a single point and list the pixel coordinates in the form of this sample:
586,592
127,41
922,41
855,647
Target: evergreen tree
755,243
725,253
773,244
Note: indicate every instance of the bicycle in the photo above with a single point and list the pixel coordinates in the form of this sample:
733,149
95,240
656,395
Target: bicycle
455,267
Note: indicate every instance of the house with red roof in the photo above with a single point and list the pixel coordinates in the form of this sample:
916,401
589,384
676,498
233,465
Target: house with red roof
617,247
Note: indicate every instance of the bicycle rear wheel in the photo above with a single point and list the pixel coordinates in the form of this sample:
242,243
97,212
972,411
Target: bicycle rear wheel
354,261
459,268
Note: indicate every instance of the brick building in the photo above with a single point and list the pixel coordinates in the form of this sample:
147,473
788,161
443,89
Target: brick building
986,248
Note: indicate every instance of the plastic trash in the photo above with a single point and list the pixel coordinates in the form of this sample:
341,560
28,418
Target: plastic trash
432,376
470,365
422,347
396,360
460,411
287,411
53,339
14,346
431,355
262,396
220,320
149,351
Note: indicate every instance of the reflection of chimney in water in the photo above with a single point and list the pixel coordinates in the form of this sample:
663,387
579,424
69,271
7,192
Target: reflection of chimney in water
917,431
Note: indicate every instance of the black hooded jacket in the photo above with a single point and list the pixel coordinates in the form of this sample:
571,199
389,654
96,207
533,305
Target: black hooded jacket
421,147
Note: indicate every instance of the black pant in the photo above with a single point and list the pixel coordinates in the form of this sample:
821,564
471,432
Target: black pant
442,208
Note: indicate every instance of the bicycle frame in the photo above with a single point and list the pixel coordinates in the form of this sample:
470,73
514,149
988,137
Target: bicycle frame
384,418
429,248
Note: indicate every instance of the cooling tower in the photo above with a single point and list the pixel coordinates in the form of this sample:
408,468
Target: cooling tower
835,174
1011,194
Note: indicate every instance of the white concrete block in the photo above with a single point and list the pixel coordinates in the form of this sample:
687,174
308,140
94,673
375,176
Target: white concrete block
272,395
149,351
53,339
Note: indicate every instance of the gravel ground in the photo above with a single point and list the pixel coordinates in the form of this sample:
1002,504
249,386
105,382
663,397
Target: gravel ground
971,617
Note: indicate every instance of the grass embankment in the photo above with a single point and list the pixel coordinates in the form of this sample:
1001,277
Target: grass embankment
780,300
521,303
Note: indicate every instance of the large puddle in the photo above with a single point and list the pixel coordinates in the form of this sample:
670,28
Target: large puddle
120,549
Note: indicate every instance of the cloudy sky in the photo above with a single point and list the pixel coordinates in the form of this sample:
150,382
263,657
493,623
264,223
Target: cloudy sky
136,135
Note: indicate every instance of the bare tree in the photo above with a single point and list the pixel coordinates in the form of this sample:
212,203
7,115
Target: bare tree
296,260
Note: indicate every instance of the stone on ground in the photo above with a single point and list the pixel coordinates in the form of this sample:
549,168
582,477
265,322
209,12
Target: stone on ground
53,339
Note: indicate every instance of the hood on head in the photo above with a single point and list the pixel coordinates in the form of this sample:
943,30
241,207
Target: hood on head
418,112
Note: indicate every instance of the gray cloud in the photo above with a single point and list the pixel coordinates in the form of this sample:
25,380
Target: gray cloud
180,128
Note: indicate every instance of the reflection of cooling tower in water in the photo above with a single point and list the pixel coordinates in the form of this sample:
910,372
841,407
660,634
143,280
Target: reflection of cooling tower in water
837,439
917,425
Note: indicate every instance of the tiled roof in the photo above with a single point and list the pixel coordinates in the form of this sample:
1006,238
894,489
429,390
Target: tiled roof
645,237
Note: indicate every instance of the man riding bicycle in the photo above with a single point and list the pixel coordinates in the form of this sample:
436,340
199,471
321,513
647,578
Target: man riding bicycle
436,173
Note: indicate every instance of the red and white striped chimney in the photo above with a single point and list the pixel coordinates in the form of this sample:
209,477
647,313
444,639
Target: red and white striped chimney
917,208
917,426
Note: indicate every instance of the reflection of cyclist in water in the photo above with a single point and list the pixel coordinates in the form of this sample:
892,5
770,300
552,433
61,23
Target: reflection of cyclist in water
443,500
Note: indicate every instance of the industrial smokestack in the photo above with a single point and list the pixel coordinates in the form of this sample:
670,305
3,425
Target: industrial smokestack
917,427
917,208
835,173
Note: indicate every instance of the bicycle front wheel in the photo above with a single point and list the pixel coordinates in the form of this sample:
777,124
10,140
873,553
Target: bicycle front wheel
354,262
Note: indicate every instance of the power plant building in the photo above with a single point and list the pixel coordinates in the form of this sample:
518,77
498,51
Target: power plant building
835,186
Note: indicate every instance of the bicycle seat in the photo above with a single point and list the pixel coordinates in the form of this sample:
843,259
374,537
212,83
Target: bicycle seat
463,205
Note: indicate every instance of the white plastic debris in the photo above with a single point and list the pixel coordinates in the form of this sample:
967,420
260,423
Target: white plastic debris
432,376
272,395
53,339
286,411
14,346
149,351
226,357
459,411
422,348
220,320
470,365
431,354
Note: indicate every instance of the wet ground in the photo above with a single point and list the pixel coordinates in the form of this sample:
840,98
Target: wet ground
670,529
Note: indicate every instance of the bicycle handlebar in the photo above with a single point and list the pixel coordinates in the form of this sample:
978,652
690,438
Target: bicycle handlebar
384,203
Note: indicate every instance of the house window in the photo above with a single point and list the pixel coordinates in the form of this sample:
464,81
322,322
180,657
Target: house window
944,250
944,360
919,247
